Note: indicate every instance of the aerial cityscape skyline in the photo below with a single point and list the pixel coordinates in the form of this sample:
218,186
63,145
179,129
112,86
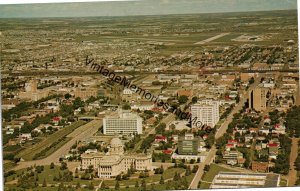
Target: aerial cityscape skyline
176,100
140,7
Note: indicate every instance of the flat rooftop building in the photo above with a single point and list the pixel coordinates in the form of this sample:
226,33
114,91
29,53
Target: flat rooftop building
206,111
122,123
245,180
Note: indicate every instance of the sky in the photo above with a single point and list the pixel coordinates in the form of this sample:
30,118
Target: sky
139,7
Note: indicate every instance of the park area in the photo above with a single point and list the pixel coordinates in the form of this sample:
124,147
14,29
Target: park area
53,177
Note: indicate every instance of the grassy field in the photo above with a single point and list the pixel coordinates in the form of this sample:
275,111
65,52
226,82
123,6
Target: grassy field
48,175
209,176
168,173
283,182
8,165
11,187
30,152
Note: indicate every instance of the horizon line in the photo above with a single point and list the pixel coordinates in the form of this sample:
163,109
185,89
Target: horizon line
134,15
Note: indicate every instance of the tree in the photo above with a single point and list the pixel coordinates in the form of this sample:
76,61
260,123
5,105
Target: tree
143,185
136,184
206,168
251,81
182,99
162,169
68,96
195,168
194,99
103,186
90,168
78,185
117,186
176,176
44,183
118,178
162,180
52,165
78,103
63,166
91,186
161,128
125,177
126,107
188,171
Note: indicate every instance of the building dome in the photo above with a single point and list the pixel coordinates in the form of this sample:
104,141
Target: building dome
116,142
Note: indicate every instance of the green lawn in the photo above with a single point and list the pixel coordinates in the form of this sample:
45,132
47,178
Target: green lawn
8,165
48,174
29,153
156,186
283,182
39,188
168,173
209,176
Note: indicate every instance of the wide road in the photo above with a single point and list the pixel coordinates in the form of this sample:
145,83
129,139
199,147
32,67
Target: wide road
220,132
297,95
81,133
292,176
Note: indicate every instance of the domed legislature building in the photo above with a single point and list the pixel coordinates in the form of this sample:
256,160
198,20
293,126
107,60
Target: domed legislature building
116,161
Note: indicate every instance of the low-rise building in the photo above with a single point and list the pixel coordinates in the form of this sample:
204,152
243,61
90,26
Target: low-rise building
259,166
188,145
233,157
244,180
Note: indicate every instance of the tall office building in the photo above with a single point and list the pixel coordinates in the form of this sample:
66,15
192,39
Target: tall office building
258,99
123,123
206,112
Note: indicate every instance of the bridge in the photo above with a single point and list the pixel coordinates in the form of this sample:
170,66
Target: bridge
88,118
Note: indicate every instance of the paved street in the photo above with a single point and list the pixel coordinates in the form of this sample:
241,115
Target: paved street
220,132
80,133
292,176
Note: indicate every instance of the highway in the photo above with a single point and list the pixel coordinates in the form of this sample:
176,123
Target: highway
82,132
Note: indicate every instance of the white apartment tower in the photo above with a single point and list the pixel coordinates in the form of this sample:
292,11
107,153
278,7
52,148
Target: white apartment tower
123,123
206,111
